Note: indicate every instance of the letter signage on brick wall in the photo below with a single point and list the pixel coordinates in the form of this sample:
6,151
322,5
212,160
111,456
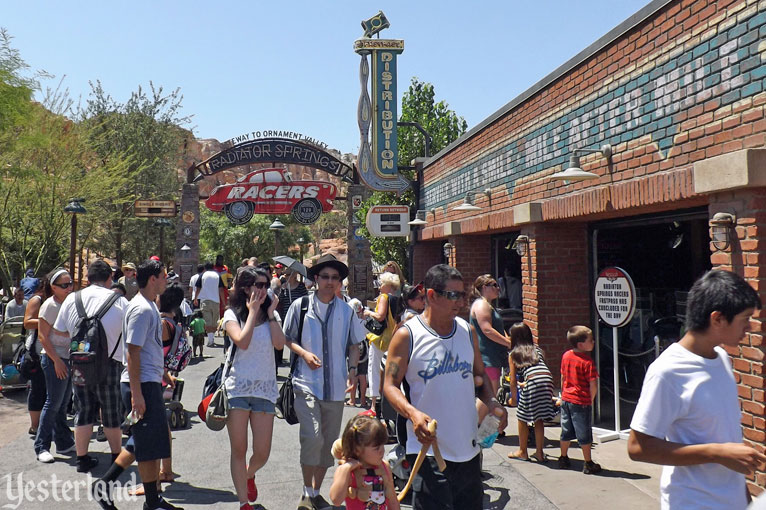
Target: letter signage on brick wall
378,162
615,297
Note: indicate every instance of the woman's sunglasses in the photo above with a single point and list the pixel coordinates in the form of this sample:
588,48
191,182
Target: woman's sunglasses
257,285
63,285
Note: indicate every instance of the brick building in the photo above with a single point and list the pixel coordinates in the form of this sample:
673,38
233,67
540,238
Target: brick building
677,90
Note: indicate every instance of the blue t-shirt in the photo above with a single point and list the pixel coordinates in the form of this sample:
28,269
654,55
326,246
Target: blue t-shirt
143,327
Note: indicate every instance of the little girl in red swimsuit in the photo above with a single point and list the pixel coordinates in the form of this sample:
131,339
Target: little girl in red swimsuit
363,478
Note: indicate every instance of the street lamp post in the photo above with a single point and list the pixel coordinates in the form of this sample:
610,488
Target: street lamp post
277,226
74,207
162,223
300,242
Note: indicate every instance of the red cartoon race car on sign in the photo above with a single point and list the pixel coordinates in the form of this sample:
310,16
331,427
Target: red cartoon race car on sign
272,191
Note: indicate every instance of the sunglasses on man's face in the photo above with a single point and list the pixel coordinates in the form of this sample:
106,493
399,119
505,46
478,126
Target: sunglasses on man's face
452,295
331,277
63,285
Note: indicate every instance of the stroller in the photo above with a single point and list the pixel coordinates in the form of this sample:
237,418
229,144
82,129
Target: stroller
11,338
177,356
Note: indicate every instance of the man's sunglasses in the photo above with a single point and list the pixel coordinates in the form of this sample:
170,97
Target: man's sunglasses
332,277
63,285
452,295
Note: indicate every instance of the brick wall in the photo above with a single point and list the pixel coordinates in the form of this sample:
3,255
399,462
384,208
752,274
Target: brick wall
556,288
683,85
472,257
747,257
425,255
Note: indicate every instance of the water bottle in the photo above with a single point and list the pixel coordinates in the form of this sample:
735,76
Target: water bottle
488,430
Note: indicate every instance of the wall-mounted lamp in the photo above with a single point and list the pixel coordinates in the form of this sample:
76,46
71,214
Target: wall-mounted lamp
721,226
420,218
574,173
468,204
185,247
521,245
448,250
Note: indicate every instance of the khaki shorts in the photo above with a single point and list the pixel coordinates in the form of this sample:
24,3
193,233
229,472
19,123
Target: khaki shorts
320,423
210,313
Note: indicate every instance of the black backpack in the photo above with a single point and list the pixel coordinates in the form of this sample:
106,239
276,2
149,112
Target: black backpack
90,360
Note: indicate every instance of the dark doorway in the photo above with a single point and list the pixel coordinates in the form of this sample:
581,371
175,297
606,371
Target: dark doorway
506,268
664,255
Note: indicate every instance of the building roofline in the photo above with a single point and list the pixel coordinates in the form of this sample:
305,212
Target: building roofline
634,20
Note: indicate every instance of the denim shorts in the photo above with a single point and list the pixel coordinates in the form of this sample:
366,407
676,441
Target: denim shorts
252,404
576,422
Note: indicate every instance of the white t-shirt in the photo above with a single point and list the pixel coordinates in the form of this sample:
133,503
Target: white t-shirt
93,297
143,327
689,399
49,311
253,372
208,291
192,284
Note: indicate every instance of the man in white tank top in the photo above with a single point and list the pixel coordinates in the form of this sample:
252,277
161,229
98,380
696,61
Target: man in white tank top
436,356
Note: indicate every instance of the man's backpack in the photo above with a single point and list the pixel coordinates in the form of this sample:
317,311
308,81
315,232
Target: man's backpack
90,359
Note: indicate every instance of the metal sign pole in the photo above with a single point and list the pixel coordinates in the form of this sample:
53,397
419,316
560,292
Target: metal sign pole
616,374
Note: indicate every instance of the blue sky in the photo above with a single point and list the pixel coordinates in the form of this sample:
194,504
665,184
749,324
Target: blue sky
289,65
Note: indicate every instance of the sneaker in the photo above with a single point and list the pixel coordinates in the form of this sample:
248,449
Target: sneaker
100,436
85,465
67,451
564,462
591,468
45,456
245,506
252,490
162,504
319,503
305,503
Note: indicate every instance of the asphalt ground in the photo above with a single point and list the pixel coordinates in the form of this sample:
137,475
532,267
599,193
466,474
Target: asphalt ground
201,458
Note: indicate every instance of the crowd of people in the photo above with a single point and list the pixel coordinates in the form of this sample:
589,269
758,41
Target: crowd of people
411,349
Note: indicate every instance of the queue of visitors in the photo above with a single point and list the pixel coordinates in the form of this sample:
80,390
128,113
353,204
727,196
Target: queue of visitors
424,361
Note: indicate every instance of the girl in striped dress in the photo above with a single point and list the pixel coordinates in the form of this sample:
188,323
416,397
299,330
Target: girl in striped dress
535,400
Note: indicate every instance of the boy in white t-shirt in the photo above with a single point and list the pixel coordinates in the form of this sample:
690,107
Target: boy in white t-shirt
688,416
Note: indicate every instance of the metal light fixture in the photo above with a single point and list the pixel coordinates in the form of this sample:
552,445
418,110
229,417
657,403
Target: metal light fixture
721,226
521,245
420,219
574,173
186,247
74,207
468,204
277,225
448,250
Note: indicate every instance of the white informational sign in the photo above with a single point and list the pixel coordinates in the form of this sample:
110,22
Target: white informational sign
388,220
615,297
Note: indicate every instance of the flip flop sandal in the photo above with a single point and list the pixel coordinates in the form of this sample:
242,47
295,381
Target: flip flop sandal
517,457
138,490
348,403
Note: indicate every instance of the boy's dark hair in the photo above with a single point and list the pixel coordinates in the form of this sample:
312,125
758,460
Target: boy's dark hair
120,287
147,269
438,276
718,291
208,266
265,266
198,314
200,268
219,260
99,271
577,334
170,300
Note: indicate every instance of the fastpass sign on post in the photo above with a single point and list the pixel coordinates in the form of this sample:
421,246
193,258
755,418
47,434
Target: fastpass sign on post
615,297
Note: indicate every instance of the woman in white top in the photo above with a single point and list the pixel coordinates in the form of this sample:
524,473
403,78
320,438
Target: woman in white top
251,384
55,365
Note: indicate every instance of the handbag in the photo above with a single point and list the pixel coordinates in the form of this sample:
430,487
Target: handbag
213,386
285,406
217,410
27,361
374,326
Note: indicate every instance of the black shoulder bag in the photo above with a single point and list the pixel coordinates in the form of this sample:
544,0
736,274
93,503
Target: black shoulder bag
286,400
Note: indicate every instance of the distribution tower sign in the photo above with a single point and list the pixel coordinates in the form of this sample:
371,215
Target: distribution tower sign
379,160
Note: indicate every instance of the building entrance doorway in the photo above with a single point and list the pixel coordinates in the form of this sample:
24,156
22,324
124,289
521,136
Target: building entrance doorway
664,254
506,268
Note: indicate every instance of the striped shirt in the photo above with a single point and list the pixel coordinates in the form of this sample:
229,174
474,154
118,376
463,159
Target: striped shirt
577,371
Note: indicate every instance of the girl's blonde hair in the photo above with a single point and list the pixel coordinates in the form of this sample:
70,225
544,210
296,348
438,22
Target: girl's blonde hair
390,279
392,265
361,431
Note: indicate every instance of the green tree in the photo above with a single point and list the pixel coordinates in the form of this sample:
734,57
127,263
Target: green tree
444,125
136,144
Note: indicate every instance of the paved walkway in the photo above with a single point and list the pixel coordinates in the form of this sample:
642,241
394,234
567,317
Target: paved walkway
201,456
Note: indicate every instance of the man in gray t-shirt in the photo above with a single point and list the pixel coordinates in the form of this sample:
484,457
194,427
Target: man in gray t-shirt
18,306
143,377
